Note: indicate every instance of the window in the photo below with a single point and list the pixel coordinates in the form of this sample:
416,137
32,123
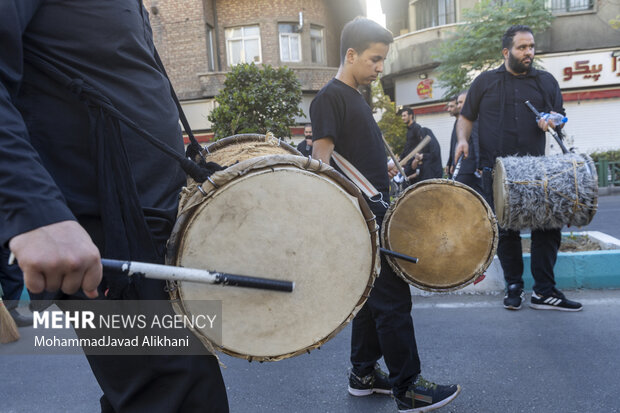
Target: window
567,6
290,43
317,48
243,45
431,13
210,49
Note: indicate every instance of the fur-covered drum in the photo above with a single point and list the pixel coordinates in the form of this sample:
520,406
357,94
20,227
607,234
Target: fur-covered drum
232,149
285,217
544,192
446,225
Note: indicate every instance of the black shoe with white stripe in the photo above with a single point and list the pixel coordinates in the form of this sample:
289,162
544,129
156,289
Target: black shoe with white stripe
555,301
375,382
514,297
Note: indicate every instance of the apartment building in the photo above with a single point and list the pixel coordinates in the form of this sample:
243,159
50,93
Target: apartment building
580,49
200,40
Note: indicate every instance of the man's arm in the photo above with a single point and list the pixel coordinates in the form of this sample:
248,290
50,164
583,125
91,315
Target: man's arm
322,149
463,132
52,250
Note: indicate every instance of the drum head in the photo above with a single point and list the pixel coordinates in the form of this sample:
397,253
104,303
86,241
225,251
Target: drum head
285,223
448,227
232,149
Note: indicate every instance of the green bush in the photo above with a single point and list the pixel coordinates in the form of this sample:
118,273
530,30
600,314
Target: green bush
391,124
257,100
607,155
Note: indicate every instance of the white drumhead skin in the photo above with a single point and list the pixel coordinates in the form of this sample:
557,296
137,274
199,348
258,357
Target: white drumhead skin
283,223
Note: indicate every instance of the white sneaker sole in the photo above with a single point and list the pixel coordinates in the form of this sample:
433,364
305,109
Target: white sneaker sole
367,392
552,307
434,406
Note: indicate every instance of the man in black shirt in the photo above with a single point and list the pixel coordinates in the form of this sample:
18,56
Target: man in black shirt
468,173
305,146
427,163
77,183
507,127
343,121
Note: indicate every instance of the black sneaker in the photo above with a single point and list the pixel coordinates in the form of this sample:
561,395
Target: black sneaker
514,297
555,301
375,382
424,396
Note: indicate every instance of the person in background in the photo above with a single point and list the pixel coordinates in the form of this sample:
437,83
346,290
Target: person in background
305,146
469,173
427,163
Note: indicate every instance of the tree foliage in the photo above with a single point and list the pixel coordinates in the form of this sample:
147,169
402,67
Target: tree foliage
475,46
615,23
392,126
256,100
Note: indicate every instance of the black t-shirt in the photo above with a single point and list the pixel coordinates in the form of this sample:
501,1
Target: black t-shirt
340,112
506,125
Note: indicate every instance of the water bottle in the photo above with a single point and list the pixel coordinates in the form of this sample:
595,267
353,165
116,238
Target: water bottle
557,118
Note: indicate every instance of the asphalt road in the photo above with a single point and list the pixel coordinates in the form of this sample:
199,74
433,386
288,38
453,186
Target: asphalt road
525,361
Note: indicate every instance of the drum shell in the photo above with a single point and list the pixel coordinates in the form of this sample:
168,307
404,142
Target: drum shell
545,192
270,261
446,225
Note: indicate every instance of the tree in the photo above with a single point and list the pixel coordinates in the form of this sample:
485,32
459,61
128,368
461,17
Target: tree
475,45
391,125
257,100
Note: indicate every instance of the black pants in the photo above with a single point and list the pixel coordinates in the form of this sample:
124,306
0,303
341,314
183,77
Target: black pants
11,279
544,249
471,180
154,383
384,327
157,383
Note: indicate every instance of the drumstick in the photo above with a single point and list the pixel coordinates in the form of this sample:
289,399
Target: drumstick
399,255
398,165
172,273
457,168
416,150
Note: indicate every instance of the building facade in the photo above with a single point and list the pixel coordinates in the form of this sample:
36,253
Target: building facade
580,49
200,40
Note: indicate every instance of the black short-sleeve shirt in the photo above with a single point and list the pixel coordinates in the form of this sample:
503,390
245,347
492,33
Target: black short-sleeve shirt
340,112
506,125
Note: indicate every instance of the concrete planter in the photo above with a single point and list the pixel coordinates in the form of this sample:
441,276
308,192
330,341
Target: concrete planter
587,269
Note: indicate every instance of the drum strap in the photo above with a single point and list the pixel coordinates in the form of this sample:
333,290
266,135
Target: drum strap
358,179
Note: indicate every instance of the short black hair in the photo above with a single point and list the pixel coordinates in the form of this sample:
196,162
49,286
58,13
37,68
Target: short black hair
408,110
359,33
509,35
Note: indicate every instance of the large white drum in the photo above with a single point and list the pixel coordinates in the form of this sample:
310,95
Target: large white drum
284,217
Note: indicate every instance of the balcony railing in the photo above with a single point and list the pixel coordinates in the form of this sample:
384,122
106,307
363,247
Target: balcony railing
570,6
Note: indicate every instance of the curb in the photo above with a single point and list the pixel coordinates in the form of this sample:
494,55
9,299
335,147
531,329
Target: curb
574,270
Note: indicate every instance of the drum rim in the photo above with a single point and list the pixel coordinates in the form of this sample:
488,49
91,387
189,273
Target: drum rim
269,163
394,263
